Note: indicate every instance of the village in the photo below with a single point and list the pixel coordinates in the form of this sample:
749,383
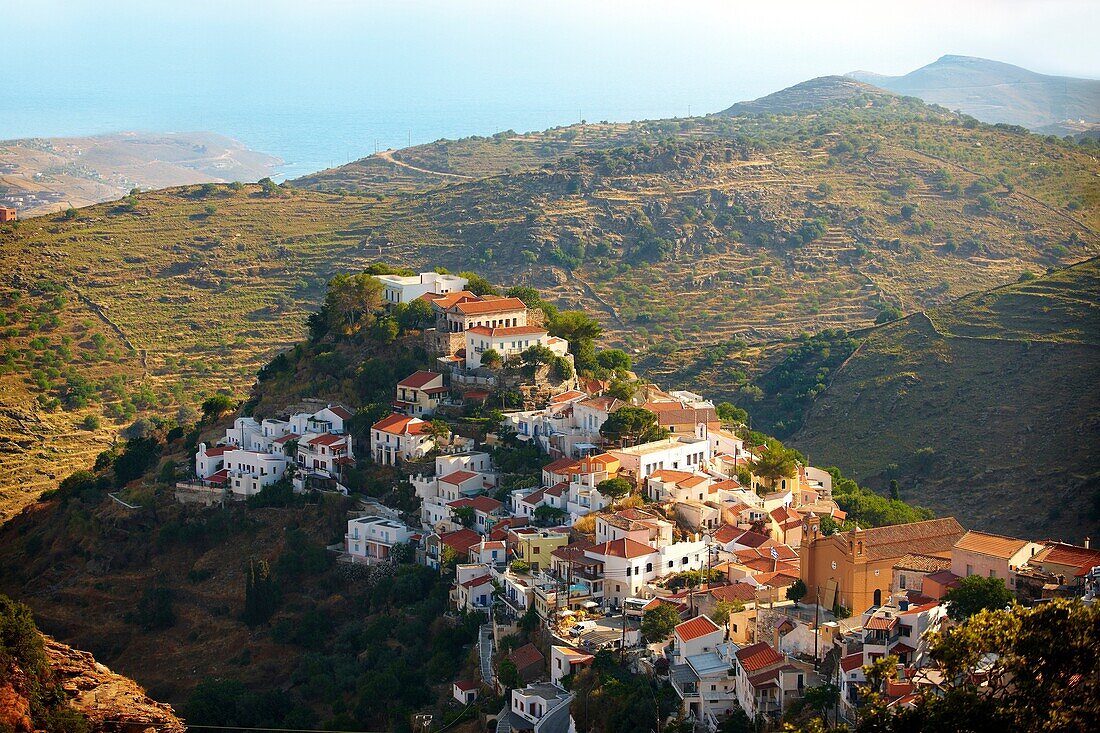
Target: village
656,531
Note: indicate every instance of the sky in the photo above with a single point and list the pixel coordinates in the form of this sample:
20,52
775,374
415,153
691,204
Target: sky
334,78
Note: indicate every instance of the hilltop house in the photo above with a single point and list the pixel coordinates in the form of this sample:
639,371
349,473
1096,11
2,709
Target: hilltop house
321,456
509,341
485,311
407,288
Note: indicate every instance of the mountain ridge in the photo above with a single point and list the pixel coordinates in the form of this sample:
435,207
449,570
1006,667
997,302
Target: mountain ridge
999,92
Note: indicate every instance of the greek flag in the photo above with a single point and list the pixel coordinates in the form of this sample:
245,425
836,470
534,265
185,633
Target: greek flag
775,554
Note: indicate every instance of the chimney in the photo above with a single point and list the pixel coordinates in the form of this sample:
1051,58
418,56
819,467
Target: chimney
901,672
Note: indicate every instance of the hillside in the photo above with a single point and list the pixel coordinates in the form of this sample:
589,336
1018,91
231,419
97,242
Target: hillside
675,234
993,91
986,407
43,175
815,94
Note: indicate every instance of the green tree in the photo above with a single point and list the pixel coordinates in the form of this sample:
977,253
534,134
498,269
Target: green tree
632,425
491,358
821,699
478,285
438,430
729,413
351,301
261,593
217,405
575,327
722,612
508,674
774,463
658,623
416,314
976,593
464,515
537,355
548,515
614,488
796,591
613,360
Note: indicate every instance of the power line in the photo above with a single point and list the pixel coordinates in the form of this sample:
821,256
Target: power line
240,727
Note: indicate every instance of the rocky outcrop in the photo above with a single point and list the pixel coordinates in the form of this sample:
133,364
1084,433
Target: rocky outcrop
109,701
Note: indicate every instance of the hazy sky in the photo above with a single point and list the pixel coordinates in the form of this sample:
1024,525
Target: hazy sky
253,68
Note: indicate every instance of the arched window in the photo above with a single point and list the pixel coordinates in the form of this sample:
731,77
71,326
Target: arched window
878,597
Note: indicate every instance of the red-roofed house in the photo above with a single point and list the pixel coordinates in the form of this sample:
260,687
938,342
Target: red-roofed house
460,541
399,438
696,636
565,660
419,394
529,662
465,691
487,511
756,668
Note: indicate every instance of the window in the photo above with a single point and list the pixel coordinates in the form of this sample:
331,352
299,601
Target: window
649,567
901,581
969,569
993,573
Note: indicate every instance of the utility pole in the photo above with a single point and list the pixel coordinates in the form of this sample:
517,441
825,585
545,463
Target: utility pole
622,640
817,609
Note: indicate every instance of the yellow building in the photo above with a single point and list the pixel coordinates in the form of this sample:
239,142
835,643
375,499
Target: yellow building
854,569
534,547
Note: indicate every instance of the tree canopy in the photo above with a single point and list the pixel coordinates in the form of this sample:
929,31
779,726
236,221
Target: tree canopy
658,623
632,425
976,593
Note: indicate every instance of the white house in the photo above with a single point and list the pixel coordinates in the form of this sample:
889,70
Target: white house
323,454
370,539
565,660
473,587
399,438
696,636
465,691
509,341
679,453
244,472
590,414
407,288
539,708
629,564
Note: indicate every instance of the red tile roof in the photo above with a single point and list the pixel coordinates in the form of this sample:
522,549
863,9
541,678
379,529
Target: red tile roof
399,425
416,380
562,465
475,582
669,476
526,656
340,411
626,548
326,439
604,404
496,305
485,504
215,452
503,331
734,592
696,627
467,685
457,477
1059,553
461,540
757,656
880,623
566,397
851,662
286,438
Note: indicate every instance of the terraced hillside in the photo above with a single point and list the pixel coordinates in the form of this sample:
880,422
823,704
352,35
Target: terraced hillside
984,408
720,235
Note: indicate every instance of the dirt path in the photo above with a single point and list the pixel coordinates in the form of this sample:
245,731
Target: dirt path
387,155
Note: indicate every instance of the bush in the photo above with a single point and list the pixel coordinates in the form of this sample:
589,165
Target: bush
91,423
154,610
